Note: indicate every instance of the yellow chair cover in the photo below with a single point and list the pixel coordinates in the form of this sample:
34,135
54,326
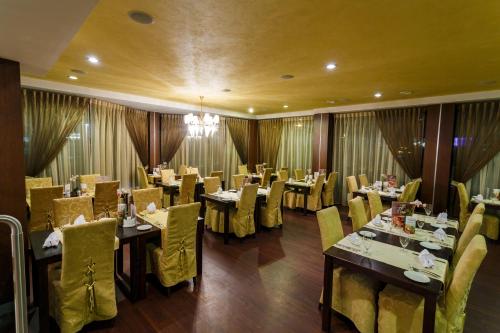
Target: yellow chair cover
182,170
266,177
36,182
375,203
314,198
490,227
328,190
354,295
464,205
363,180
89,180
238,180
166,174
211,185
175,260
241,219
283,175
219,174
290,199
403,311
299,174
271,213
66,210
358,213
106,198
42,210
243,169
471,230
143,178
414,189
83,290
187,188
406,195
142,198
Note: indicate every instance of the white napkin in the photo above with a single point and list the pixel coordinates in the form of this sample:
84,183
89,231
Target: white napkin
316,174
417,203
79,220
363,187
440,234
133,211
354,238
151,208
442,217
402,188
52,240
83,186
479,197
377,221
378,184
67,187
426,258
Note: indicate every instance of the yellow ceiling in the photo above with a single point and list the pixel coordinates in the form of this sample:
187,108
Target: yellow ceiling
199,47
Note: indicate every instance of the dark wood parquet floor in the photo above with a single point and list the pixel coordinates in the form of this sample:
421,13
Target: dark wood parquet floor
272,284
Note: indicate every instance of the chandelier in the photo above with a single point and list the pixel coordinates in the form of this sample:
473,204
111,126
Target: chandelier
202,124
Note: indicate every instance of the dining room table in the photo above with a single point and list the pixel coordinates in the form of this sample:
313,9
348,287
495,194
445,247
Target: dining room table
382,257
490,204
227,200
255,178
385,196
172,188
301,187
133,285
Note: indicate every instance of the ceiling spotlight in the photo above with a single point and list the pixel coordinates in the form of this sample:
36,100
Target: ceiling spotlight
377,95
226,90
93,59
285,106
287,76
331,66
250,110
140,17
406,92
72,77
330,102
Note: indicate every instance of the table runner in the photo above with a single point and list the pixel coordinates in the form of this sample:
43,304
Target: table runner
394,256
381,193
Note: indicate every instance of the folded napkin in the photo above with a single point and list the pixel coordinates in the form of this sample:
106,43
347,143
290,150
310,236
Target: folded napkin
442,217
402,188
440,234
363,187
377,221
479,197
354,238
426,258
151,208
417,203
133,211
67,187
79,220
52,240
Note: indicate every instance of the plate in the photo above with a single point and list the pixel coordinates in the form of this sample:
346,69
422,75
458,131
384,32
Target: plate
417,276
144,227
368,234
440,225
430,245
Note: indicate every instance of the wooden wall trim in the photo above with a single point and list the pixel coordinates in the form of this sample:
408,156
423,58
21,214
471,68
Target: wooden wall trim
12,188
429,160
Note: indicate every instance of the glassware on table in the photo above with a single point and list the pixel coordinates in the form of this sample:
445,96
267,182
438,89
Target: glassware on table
488,191
367,243
404,241
428,209
420,223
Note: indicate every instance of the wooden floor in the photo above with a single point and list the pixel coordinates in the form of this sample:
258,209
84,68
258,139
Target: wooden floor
272,284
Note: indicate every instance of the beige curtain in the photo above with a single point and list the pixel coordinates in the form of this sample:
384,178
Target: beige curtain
49,118
214,153
138,129
487,178
403,131
173,132
239,128
295,151
269,140
359,147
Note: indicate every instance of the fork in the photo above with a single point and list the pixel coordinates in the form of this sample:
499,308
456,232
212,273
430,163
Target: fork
413,268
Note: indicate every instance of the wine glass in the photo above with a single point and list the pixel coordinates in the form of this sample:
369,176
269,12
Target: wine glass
420,223
404,241
428,209
367,243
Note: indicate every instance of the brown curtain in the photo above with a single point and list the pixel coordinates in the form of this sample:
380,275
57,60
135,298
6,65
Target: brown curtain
269,140
137,126
238,128
49,118
477,137
403,131
173,132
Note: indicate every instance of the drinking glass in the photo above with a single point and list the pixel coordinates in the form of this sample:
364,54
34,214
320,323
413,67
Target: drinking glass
420,223
404,241
367,243
428,209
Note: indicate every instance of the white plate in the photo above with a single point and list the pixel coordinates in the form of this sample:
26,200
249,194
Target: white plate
440,225
417,276
368,234
430,245
144,227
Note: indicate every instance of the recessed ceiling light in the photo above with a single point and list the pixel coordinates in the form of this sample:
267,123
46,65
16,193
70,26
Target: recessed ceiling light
93,59
250,110
287,76
331,101
140,17
331,66
377,95
285,106
344,100
77,71
406,92
72,77
226,90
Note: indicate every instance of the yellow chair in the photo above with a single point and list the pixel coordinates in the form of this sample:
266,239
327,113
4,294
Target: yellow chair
314,198
491,223
414,189
42,212
187,188
271,212
266,177
143,178
106,198
403,311
142,198
471,230
166,174
90,181
182,170
83,290
363,180
36,182
358,213
238,180
219,174
66,210
328,190
211,185
354,295
352,186
375,203
407,192
243,169
299,174
283,175
175,260
241,219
